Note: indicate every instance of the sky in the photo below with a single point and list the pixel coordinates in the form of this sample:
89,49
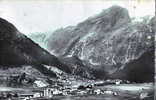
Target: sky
30,16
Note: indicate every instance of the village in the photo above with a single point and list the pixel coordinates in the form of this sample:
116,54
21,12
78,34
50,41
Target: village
25,87
41,90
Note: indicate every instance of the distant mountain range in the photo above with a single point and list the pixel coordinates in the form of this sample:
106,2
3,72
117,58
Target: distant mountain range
106,46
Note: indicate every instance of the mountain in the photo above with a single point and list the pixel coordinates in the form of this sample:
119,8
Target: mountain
65,40
109,44
78,67
16,49
101,23
138,70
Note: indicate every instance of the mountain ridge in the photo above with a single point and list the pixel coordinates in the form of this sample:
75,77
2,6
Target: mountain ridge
16,49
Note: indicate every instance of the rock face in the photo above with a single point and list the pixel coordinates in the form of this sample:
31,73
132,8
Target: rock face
110,44
16,49
78,67
138,70
58,41
103,23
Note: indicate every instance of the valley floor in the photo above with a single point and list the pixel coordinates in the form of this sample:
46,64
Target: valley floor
143,91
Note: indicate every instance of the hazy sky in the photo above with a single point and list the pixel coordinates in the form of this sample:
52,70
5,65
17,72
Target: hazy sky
47,15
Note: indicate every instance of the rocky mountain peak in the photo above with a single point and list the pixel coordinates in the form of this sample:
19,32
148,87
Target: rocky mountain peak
109,19
106,42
